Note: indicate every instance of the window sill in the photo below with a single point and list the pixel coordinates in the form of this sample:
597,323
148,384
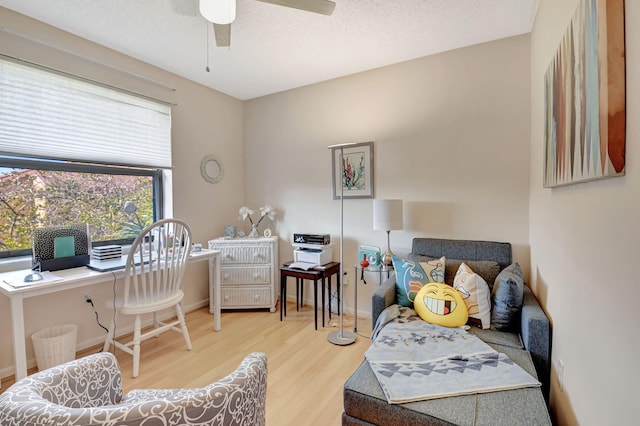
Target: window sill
15,263
25,262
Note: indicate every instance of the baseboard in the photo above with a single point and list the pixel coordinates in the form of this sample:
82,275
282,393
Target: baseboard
362,313
99,340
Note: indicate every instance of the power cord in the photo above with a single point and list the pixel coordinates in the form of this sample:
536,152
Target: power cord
90,301
113,319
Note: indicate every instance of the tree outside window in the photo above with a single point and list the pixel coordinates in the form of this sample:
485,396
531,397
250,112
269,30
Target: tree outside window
31,198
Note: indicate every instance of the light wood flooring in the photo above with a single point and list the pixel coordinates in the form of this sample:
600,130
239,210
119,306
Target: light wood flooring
306,372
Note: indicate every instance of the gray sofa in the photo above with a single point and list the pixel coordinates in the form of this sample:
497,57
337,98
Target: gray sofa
528,345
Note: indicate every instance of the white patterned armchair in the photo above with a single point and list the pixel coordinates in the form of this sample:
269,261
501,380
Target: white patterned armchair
88,391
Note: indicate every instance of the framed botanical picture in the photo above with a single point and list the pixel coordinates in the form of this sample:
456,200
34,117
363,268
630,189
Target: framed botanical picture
353,170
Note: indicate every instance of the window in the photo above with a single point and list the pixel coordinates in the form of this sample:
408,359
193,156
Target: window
75,151
47,193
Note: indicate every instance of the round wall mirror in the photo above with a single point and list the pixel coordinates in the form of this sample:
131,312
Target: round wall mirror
211,169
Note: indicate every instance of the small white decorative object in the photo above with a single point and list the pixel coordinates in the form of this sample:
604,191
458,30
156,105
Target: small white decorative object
267,232
265,211
230,231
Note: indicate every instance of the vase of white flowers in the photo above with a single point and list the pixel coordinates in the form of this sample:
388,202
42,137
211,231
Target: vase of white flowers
265,211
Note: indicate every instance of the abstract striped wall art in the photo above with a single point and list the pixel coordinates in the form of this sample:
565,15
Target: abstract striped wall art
585,97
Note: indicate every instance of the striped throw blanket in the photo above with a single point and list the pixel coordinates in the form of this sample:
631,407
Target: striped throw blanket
414,360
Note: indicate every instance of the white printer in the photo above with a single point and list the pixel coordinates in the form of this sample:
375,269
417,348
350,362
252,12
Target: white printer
312,248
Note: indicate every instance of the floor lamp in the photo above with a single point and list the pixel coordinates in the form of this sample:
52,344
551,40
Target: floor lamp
341,337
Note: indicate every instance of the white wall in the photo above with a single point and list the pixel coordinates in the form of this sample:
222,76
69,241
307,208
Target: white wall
583,250
204,122
451,138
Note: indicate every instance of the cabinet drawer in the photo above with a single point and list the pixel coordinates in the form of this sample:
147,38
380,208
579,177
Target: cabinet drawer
246,297
245,275
244,255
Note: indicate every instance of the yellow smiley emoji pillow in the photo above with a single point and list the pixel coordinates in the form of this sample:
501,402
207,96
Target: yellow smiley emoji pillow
441,304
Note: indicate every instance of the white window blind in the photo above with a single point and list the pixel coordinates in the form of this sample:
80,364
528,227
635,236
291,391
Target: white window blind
44,114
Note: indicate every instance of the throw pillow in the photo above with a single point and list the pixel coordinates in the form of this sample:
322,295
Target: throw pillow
441,304
506,298
410,277
434,269
487,269
476,295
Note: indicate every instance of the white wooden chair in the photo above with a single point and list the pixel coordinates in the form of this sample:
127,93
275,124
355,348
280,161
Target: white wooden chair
153,282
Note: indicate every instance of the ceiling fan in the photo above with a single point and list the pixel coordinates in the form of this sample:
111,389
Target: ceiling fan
222,13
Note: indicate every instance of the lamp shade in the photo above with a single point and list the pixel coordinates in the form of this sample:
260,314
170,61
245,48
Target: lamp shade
387,215
218,11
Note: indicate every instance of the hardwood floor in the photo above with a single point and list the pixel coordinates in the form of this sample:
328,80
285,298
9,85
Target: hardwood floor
306,372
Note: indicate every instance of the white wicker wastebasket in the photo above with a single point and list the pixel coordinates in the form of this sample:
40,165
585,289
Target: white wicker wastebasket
55,345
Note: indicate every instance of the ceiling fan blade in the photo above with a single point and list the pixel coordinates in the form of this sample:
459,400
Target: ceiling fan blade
223,34
324,7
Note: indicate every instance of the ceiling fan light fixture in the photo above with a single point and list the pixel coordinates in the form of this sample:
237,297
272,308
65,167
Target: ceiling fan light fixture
218,11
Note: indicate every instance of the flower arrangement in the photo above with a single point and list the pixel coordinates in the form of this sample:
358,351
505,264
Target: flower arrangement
265,211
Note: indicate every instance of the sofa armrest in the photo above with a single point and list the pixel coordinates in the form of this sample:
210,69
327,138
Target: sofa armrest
536,336
384,296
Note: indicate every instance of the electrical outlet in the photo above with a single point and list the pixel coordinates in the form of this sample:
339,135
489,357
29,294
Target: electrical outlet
88,299
345,279
560,373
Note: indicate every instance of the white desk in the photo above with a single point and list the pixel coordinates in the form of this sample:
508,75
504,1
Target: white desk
80,277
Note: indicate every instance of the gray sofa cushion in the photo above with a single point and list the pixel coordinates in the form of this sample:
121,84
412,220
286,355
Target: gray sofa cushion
464,249
502,338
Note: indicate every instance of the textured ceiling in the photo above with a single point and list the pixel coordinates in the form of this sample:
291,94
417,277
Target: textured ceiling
274,48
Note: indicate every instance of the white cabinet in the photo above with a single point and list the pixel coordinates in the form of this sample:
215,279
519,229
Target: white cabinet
248,268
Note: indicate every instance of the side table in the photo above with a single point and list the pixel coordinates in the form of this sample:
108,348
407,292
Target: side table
362,270
319,273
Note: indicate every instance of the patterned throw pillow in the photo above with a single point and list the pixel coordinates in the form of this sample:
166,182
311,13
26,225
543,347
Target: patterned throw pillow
476,295
435,269
487,269
506,297
411,276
